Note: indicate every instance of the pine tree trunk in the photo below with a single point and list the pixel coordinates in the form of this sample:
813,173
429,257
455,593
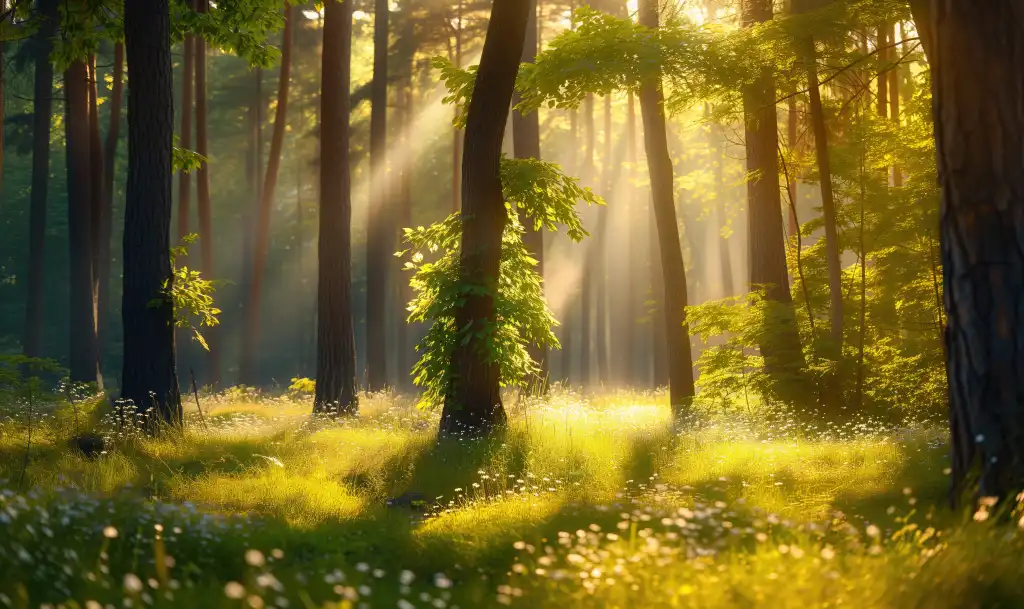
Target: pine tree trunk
336,352
472,403
185,132
379,246
109,166
636,211
526,138
82,356
250,337
97,203
600,256
42,119
977,93
659,164
203,201
149,378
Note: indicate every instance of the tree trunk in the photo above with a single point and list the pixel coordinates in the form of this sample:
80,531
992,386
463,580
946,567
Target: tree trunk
767,249
82,355
250,338
977,93
792,123
882,44
42,119
659,164
336,352
586,284
721,214
403,207
828,205
97,203
109,166
526,138
472,403
457,134
894,105
636,211
149,378
379,246
185,133
203,189
600,256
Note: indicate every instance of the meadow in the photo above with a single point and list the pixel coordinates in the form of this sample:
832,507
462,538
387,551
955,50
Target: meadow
584,501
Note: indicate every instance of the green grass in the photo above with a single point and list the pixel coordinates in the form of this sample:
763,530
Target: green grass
581,502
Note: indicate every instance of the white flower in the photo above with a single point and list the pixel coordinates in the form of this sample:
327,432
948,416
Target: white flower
110,532
406,577
255,558
234,590
132,583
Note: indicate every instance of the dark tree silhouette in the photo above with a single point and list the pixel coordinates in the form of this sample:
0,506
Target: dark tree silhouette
335,351
472,404
149,378
109,166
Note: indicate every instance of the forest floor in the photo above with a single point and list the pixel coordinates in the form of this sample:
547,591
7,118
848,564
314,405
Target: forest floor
583,502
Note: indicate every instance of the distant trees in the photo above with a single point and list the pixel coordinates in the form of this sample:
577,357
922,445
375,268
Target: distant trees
149,378
203,199
473,404
335,361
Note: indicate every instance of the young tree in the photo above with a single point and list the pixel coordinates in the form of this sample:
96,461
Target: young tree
659,165
472,404
379,245
250,338
977,93
42,119
335,357
109,160
83,361
149,378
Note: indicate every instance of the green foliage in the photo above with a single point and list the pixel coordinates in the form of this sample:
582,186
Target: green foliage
536,190
190,294
185,160
302,386
459,82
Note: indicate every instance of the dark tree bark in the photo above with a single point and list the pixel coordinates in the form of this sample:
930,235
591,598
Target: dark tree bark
659,164
42,119
250,337
100,250
472,404
149,378
526,138
767,249
977,94
83,361
109,166
203,201
336,352
185,132
379,246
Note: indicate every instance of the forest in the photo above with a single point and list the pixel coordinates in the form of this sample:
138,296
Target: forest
340,304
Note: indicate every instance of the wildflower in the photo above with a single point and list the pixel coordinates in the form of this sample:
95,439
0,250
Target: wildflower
255,558
404,604
132,583
254,601
406,577
442,581
234,590
110,532
873,531
828,553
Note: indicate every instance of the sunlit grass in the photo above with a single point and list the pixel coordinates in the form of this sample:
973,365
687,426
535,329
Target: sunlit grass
590,501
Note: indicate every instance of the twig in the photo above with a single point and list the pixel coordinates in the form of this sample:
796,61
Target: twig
195,392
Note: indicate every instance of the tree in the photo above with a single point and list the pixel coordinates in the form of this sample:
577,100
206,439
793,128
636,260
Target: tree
42,118
659,165
335,357
188,68
977,93
379,245
149,377
203,202
526,139
107,219
100,250
472,405
250,338
83,360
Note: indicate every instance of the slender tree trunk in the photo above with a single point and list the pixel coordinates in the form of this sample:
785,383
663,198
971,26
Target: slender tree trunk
586,284
659,163
828,205
380,233
600,257
403,211
107,217
3,98
724,254
42,119
82,354
457,134
882,44
250,338
526,138
472,403
894,106
149,378
336,352
977,93
97,203
570,315
792,124
203,188
767,249
636,211
185,133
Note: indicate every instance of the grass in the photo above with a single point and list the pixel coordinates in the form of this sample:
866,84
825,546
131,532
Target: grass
584,501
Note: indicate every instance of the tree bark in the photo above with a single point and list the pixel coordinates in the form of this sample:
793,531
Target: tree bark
403,211
203,201
42,119
107,219
977,94
336,353
635,294
659,164
251,336
149,378
894,104
600,255
526,138
472,403
82,355
379,246
185,132
457,134
586,284
100,251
